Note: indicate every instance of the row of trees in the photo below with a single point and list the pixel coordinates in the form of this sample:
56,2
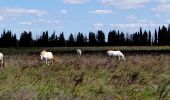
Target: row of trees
115,38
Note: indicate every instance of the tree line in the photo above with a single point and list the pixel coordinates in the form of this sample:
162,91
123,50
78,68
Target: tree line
114,38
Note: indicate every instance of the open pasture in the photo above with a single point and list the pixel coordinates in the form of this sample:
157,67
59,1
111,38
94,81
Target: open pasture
90,76
131,49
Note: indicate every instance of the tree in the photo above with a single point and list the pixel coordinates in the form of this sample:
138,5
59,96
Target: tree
43,40
159,36
135,38
149,38
122,39
128,40
52,40
169,27
61,40
145,38
14,41
7,39
163,37
71,41
80,39
156,38
112,38
92,39
101,38
26,39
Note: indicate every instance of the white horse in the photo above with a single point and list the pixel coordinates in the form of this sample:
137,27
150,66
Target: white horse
79,52
1,60
118,54
47,56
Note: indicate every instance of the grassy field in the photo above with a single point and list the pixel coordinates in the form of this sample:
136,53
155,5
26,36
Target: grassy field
89,77
37,50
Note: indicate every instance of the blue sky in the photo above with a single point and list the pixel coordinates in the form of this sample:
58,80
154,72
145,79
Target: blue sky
73,16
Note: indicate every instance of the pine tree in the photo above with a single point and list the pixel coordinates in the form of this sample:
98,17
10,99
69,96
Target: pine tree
92,39
61,40
149,38
80,39
26,39
71,41
101,38
156,38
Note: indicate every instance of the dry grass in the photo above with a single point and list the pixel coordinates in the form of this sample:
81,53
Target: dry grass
140,77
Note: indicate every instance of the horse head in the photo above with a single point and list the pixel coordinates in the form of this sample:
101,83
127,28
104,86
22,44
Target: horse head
44,51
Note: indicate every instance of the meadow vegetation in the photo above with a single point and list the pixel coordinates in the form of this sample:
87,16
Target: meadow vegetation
37,50
89,77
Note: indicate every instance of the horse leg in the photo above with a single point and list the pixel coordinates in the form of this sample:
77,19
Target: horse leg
118,57
46,61
52,61
2,62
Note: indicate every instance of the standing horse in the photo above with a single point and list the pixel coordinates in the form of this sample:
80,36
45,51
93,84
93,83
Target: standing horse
1,60
79,52
118,54
47,56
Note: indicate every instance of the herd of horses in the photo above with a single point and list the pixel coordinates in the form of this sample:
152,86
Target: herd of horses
48,58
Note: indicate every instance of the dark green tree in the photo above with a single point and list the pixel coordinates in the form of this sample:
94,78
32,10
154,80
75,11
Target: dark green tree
7,39
26,39
61,40
145,38
121,39
149,38
71,41
92,39
80,39
156,38
112,38
52,40
101,38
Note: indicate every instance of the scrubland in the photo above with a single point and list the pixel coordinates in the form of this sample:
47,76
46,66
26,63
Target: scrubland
89,77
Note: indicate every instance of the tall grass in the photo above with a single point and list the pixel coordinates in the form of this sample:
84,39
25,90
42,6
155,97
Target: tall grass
140,77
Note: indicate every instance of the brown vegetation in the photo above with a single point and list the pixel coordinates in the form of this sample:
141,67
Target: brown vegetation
87,77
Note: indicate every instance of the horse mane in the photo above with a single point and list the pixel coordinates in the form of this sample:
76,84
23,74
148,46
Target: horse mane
44,51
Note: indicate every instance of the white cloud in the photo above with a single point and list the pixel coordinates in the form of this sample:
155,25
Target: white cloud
162,8
20,11
41,21
2,26
98,26
56,21
76,1
101,11
134,19
133,24
131,18
133,27
26,23
125,4
64,11
167,21
161,1
1,18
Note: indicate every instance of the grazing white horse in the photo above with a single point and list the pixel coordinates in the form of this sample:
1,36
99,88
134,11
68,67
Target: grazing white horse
79,52
1,60
118,54
47,56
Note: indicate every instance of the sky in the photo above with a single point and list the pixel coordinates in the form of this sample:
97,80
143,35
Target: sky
73,16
